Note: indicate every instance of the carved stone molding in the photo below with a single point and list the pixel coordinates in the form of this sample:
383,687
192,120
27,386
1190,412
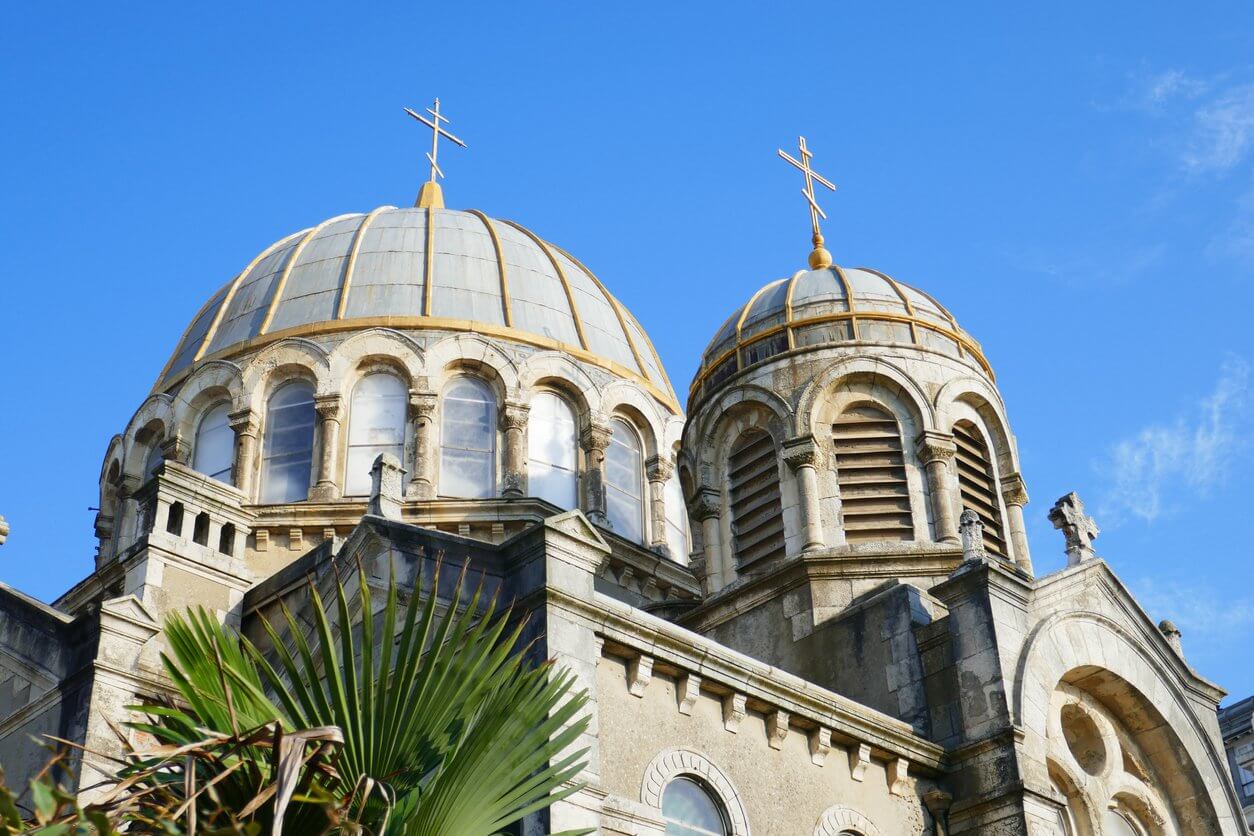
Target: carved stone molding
859,758
244,422
328,407
422,404
1013,490
899,777
175,448
803,451
707,503
733,711
820,741
932,446
776,728
596,438
686,692
514,416
639,673
659,469
841,819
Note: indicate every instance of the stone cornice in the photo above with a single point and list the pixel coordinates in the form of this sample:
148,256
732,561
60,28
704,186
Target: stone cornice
632,628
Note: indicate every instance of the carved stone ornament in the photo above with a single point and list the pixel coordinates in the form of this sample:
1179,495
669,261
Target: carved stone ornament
971,529
514,416
421,404
733,711
802,452
932,446
1077,527
596,437
707,503
659,469
1013,491
328,407
244,422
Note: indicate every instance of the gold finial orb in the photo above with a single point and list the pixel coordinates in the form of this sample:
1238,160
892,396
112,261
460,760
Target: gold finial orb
820,258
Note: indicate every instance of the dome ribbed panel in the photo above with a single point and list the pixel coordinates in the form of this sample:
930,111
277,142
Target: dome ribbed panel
186,351
389,276
467,276
600,323
655,372
873,293
538,300
248,306
818,292
313,286
767,310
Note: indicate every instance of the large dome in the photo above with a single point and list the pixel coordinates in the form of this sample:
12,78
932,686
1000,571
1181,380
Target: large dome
421,268
830,306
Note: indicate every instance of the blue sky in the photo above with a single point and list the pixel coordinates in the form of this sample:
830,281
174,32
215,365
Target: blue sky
1075,181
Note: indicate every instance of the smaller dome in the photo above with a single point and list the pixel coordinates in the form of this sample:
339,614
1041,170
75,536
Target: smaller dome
830,306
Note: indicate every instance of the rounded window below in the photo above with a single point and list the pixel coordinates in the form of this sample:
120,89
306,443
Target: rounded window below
691,810
1118,824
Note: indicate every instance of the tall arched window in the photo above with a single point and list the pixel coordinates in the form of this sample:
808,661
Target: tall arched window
155,457
676,519
977,486
757,516
624,481
215,444
552,451
692,810
288,451
871,471
376,425
468,440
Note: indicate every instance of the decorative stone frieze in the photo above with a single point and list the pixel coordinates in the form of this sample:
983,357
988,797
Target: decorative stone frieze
859,758
820,742
1077,527
687,689
972,533
733,711
776,728
639,674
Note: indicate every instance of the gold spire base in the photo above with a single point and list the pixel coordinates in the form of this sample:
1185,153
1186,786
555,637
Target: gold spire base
820,258
431,196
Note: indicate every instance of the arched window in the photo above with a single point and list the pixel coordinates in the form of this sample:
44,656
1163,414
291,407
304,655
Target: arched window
757,516
155,457
288,451
692,810
376,425
624,480
871,471
676,519
215,444
552,451
468,440
977,487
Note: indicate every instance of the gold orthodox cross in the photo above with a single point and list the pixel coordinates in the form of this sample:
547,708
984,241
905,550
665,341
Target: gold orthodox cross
819,258
431,195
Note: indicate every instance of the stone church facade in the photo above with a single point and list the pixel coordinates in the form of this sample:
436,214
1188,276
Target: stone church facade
805,605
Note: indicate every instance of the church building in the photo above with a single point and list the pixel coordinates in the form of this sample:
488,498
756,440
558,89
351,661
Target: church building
800,598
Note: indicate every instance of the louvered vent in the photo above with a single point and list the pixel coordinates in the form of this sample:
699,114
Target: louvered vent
977,486
757,516
870,467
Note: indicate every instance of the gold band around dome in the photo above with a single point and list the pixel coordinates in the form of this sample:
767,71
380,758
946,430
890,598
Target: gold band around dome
618,310
561,275
432,323
277,295
347,284
500,263
963,341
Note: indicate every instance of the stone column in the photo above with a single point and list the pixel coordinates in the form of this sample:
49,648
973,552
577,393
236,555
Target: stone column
803,456
175,448
595,440
659,471
513,421
422,476
1015,494
386,478
708,510
328,408
246,427
935,450
128,511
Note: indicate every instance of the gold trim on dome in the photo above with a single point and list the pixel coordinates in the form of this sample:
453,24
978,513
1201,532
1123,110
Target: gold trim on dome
849,301
186,331
617,308
561,275
230,294
901,294
434,323
277,295
963,341
792,285
500,263
744,312
347,284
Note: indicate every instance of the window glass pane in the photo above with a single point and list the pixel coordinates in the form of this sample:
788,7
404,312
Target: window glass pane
215,444
376,426
288,454
690,810
676,519
154,460
1116,825
468,440
552,466
623,476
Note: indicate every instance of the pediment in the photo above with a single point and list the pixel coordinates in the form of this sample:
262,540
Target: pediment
575,524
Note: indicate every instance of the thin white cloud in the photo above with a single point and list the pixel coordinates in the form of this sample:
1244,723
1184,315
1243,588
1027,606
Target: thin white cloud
1200,611
1223,131
1152,473
1155,91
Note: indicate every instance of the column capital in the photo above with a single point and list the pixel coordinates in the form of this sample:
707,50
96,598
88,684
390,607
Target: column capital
514,415
659,469
244,421
1013,490
422,403
596,437
707,503
802,451
328,407
933,446
176,448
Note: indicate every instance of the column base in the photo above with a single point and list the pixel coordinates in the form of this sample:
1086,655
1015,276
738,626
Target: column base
324,492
